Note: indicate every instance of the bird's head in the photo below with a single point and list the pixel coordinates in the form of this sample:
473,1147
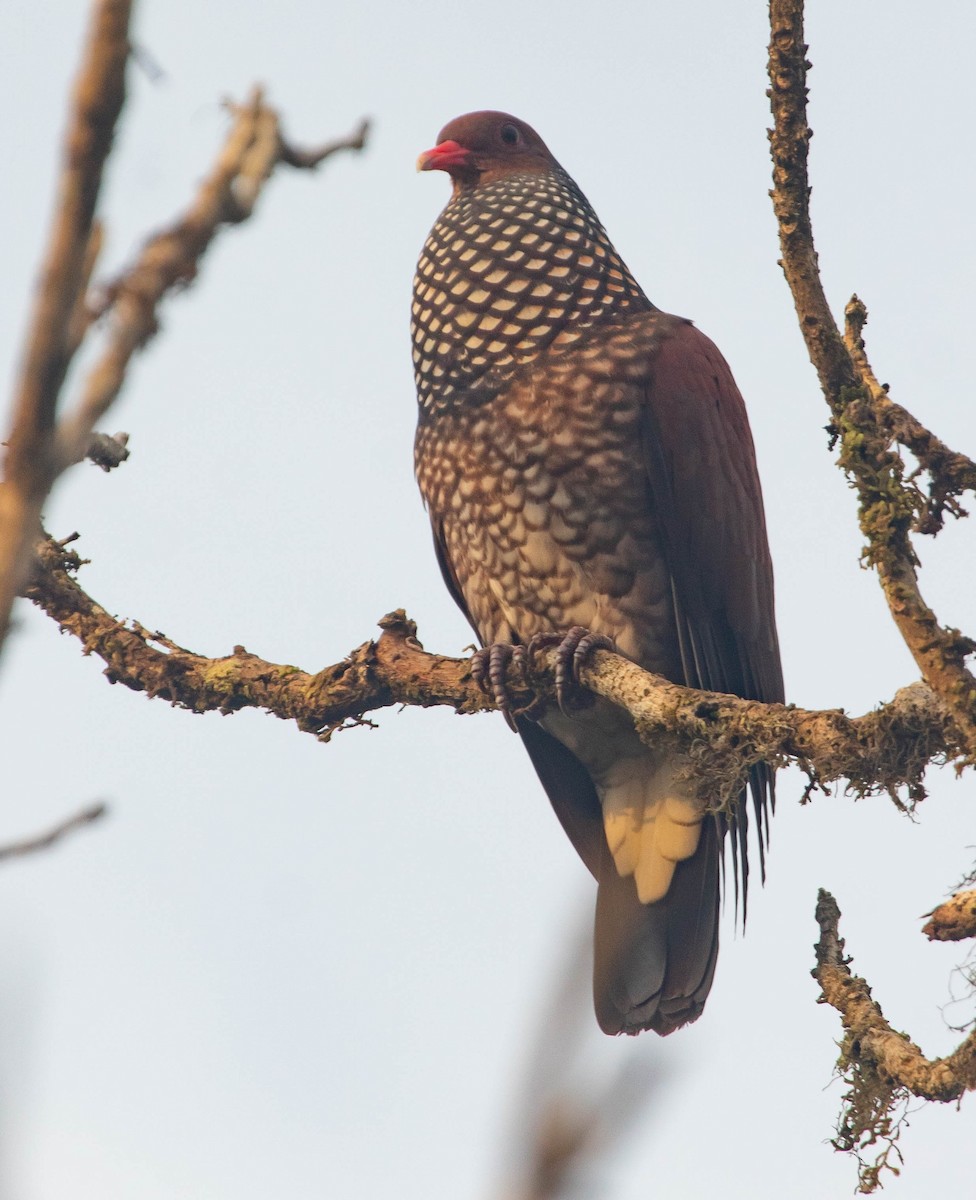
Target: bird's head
481,147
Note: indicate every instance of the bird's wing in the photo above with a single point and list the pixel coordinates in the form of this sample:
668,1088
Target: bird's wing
449,574
701,466
701,469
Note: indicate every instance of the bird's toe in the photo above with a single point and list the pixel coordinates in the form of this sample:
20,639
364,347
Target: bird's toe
490,668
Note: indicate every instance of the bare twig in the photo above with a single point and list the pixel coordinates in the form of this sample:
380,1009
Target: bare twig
53,332
171,258
42,841
309,159
865,422
723,736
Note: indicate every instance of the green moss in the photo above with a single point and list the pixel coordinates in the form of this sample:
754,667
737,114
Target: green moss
223,676
872,1118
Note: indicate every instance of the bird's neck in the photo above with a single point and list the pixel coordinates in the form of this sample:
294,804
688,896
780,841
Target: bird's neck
510,270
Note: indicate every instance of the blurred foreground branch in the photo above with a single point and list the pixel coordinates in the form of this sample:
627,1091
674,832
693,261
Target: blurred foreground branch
43,444
52,336
954,920
42,841
572,1119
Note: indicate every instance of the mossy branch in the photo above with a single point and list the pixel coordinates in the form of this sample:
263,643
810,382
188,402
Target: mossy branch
882,1067
886,750
867,425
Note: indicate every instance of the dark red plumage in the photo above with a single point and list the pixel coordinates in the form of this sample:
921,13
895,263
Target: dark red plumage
586,461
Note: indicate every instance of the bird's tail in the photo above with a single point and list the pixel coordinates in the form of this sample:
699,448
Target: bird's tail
653,963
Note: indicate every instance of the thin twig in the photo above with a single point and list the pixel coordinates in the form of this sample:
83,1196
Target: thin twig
171,258
951,474
309,159
42,841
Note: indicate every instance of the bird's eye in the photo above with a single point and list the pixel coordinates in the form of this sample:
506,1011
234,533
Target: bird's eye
510,135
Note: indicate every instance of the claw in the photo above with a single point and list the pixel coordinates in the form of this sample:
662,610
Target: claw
573,648
490,667
585,647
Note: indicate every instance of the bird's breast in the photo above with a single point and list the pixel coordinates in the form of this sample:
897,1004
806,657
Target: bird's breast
544,511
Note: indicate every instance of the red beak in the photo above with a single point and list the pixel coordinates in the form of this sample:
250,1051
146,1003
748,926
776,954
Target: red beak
443,157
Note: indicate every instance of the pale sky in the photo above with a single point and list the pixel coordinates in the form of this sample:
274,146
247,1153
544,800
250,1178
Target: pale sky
287,969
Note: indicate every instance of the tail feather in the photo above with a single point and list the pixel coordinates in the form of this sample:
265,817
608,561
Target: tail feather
653,963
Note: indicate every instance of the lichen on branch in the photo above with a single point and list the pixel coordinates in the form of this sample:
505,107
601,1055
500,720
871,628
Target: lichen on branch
886,750
881,1066
866,424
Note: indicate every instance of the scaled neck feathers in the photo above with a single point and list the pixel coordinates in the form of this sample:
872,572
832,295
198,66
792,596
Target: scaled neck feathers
510,269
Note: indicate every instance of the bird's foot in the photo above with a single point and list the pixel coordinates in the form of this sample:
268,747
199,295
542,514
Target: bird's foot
490,669
573,648
493,666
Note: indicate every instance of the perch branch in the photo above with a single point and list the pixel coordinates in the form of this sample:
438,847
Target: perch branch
865,422
723,736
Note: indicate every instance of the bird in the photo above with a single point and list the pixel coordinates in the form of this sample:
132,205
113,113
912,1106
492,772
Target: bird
589,473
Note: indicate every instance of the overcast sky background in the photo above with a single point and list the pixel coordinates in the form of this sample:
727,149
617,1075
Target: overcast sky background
287,969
